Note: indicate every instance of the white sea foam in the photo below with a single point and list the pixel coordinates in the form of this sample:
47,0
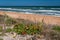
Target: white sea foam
55,8
30,11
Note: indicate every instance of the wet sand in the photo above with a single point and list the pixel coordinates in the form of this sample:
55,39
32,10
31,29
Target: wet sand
54,20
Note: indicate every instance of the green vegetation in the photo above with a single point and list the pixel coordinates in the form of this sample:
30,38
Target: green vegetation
56,28
19,28
1,39
28,29
5,19
8,30
1,29
10,21
1,19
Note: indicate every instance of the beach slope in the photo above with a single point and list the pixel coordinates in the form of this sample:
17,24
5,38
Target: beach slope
53,20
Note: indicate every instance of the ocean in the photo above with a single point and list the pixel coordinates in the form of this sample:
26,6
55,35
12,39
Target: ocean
44,10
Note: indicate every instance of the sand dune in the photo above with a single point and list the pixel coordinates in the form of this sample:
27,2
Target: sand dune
34,17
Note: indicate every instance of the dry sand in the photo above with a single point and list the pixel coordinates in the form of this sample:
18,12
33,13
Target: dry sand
33,17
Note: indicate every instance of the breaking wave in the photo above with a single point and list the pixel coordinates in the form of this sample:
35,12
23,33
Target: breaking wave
51,11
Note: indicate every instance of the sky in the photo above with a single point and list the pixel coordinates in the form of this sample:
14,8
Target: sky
29,2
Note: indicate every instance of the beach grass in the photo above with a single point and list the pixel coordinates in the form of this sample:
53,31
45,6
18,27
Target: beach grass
56,28
27,27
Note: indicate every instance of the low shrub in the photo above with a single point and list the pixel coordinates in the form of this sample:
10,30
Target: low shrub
19,28
8,30
56,28
28,29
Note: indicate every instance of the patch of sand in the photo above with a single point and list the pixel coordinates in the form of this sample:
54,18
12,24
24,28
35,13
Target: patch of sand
33,17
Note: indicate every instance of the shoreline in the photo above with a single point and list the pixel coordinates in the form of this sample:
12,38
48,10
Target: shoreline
54,20
30,13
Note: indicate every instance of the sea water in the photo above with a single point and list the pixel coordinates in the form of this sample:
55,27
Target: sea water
44,10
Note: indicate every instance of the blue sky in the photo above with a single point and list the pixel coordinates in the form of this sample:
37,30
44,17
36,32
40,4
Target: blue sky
29,2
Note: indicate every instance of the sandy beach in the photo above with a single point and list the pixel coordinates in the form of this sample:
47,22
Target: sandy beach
34,17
